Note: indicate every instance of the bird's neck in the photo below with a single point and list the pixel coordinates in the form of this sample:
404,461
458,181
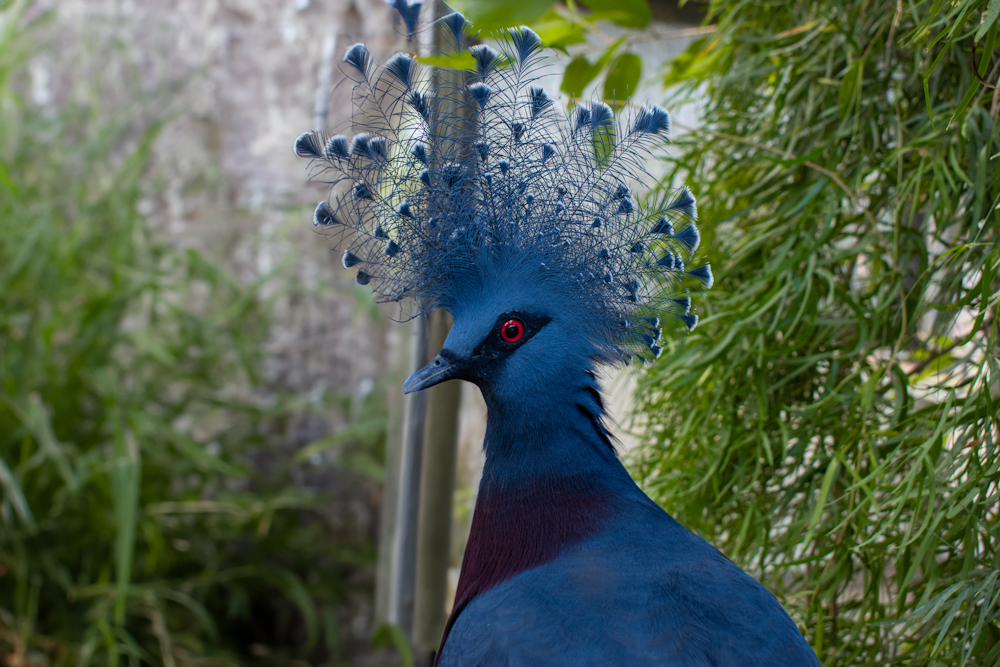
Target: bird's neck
547,431
551,480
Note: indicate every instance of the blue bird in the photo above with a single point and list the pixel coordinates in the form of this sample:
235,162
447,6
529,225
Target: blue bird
483,199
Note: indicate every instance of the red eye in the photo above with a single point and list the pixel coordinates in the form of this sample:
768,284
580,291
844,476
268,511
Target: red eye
512,331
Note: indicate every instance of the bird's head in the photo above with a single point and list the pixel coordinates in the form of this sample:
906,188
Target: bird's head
517,331
482,198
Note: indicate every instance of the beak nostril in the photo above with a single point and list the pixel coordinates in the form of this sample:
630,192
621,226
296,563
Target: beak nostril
435,372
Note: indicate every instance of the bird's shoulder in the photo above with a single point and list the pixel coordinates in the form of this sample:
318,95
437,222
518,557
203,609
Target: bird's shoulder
647,592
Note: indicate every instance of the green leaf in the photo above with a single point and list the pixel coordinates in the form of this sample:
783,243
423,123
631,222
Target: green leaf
122,355
488,16
628,13
15,496
824,491
696,63
992,12
198,454
604,145
294,588
579,73
392,635
557,32
35,419
197,610
451,61
832,279
966,99
794,162
623,78
6,180
24,254
987,48
364,430
849,87
125,475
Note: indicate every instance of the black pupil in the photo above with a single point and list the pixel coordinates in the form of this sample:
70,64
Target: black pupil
510,331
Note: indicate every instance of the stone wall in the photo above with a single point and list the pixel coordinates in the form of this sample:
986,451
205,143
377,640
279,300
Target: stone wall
238,81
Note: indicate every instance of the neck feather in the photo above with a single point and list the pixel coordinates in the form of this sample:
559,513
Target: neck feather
551,479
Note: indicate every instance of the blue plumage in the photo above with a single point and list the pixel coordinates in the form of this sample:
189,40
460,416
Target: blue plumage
653,120
409,12
517,131
359,145
337,148
538,101
420,103
690,320
361,191
600,116
482,199
308,145
487,59
459,28
419,151
402,67
350,259
684,204
481,92
358,57
483,149
403,208
525,43
324,216
664,226
703,274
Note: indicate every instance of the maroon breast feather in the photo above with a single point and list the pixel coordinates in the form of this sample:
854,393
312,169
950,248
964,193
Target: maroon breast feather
519,528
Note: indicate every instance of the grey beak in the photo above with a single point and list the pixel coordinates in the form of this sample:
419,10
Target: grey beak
436,372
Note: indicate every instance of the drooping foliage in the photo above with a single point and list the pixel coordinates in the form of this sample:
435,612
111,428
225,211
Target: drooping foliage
832,424
145,517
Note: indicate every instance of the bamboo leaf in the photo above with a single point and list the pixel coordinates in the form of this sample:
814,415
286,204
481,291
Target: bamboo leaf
628,13
850,87
824,491
489,16
989,20
15,496
451,61
623,77
579,73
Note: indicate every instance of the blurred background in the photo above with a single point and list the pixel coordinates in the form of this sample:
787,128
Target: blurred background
201,421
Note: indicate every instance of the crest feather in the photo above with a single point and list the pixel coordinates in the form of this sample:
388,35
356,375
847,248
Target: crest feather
478,171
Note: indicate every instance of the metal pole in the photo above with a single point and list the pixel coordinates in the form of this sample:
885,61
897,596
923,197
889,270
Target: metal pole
441,449
437,490
394,438
421,531
321,104
404,561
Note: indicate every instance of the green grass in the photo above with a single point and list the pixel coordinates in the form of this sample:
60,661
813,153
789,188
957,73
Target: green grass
148,509
832,423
